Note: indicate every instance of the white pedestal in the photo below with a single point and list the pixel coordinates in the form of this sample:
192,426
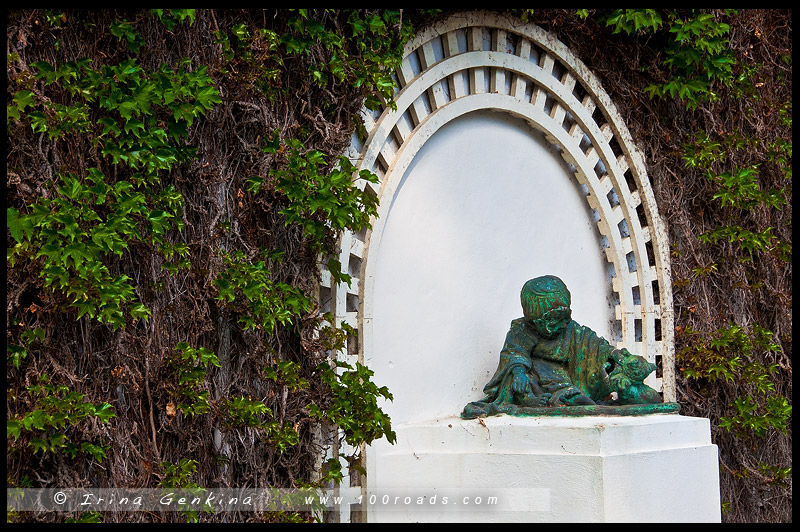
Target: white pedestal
655,468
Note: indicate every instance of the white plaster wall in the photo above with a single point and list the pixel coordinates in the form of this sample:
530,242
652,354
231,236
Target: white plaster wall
486,205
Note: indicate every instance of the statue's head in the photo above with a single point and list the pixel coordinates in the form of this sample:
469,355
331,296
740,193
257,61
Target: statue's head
545,303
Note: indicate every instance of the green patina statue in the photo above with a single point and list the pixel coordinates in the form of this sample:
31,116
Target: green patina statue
551,365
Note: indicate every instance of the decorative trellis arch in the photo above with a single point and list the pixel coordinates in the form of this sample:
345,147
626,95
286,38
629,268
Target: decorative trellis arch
488,61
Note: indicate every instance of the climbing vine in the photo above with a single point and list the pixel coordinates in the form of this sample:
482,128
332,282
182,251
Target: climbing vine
138,122
174,185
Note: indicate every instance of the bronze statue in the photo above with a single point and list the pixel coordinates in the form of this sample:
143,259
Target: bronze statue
550,364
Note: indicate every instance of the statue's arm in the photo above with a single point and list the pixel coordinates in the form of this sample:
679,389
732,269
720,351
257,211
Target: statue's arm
514,357
604,350
518,346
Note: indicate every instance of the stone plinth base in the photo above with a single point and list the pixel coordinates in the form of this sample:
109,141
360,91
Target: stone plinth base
655,468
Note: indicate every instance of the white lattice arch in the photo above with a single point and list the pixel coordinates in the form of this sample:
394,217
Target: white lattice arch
488,61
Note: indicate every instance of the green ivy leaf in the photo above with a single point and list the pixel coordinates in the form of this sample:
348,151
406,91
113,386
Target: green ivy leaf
273,143
38,444
140,311
208,97
16,225
105,412
23,99
13,429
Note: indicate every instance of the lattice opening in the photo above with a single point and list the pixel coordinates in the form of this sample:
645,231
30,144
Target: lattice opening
352,343
615,147
406,121
598,117
390,148
509,81
536,54
656,292
380,167
459,82
425,103
569,122
512,42
651,256
613,198
487,39
445,86
631,260
325,299
558,71
585,143
437,47
479,83
579,92
630,181
600,169
414,63
396,137
374,113
529,87
351,303
622,226
373,191
362,234
461,40
354,266
641,215
549,104
616,331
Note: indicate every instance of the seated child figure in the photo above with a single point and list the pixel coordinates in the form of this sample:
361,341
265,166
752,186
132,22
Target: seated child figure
550,360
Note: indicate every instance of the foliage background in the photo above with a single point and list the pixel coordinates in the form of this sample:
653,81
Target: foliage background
214,379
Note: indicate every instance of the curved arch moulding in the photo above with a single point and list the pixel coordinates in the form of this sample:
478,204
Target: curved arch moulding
486,61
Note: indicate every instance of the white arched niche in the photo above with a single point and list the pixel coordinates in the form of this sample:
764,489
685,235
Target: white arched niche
486,204
435,282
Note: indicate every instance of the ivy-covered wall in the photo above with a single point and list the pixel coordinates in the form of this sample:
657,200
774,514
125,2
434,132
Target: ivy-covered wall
174,177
